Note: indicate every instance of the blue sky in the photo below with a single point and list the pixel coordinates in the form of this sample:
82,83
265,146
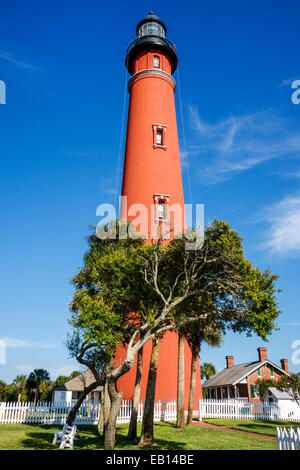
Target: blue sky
63,65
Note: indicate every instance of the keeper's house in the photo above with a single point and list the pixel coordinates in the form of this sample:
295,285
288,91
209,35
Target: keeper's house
70,391
237,381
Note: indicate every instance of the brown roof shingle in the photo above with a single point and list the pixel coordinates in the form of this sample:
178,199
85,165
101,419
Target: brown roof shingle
77,384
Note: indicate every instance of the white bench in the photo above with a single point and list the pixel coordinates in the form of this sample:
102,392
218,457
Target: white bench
67,436
58,435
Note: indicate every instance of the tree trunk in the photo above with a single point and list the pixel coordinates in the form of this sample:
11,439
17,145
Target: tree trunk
72,413
104,410
147,434
180,383
110,426
192,387
132,435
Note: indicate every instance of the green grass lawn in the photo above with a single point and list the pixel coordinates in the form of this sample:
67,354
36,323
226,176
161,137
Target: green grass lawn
252,425
38,436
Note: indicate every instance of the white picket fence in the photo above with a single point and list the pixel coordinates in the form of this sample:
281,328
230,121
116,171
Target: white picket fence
88,413
164,410
235,409
288,439
47,413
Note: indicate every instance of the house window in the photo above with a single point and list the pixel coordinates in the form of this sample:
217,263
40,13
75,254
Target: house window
272,372
258,373
63,396
156,62
252,391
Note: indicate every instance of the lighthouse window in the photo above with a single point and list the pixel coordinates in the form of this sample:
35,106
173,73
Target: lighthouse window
156,61
159,137
161,210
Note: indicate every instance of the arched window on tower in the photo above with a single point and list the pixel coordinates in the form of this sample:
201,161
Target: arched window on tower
156,63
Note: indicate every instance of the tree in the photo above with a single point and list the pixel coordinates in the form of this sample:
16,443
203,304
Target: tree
120,276
20,382
290,384
61,380
91,356
262,385
2,390
46,390
132,431
35,379
207,370
147,433
11,392
196,336
180,423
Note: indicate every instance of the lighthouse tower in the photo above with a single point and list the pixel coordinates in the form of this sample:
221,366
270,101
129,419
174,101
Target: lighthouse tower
152,182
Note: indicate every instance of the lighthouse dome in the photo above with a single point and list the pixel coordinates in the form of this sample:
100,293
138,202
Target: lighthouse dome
151,32
151,25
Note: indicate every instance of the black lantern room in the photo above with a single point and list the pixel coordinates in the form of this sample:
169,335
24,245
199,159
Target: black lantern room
151,34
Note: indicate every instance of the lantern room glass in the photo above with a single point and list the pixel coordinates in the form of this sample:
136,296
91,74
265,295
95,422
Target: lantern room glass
151,29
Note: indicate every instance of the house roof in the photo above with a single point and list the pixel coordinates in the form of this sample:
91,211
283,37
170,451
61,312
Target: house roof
280,395
77,384
234,374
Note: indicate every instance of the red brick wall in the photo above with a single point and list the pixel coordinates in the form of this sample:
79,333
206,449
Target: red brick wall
265,372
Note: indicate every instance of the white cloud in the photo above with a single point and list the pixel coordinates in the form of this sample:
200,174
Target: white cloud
78,153
62,370
283,233
21,343
26,368
238,143
9,58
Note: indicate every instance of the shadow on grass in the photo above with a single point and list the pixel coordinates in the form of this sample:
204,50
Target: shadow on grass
266,426
42,436
41,439
258,426
122,443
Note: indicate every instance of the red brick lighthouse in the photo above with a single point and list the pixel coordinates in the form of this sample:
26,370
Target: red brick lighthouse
152,180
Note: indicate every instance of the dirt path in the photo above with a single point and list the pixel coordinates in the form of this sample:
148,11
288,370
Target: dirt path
225,428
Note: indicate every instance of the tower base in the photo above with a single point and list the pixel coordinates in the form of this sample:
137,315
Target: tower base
166,381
